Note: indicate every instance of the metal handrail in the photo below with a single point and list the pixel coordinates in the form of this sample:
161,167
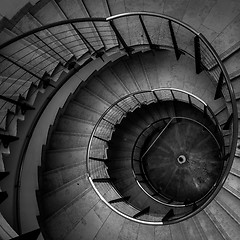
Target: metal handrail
103,117
203,40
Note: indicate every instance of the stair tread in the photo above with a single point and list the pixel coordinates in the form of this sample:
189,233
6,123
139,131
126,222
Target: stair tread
229,203
224,222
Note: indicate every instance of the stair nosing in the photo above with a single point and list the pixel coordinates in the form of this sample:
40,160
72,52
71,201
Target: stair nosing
226,210
67,116
217,226
63,208
231,190
48,194
74,101
221,203
69,166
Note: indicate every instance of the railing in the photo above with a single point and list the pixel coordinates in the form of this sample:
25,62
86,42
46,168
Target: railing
101,134
29,62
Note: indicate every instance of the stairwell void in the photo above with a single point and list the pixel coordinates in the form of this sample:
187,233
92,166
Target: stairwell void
150,138
178,158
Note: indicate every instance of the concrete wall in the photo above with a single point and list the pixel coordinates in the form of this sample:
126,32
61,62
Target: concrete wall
29,181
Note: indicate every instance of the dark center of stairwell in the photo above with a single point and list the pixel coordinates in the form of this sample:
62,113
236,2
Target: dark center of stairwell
182,165
184,162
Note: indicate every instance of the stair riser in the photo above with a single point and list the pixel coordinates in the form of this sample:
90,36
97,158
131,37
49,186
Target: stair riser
91,101
80,112
64,196
52,181
59,141
74,125
60,159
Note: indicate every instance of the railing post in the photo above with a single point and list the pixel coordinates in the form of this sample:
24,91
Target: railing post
152,46
103,180
205,111
122,199
155,95
174,41
98,159
144,211
120,38
189,100
169,215
197,50
218,93
228,123
102,139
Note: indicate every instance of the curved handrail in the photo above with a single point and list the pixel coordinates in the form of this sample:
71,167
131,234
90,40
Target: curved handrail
103,117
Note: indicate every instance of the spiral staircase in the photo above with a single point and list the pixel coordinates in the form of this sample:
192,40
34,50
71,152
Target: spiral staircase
120,127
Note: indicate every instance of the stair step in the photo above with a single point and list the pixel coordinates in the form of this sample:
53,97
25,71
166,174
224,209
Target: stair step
162,232
72,124
27,54
65,140
92,222
90,100
209,228
8,69
96,86
129,230
236,166
124,76
50,13
232,62
230,203
63,195
223,221
80,111
120,172
111,80
138,73
59,157
111,227
191,230
100,9
233,182
71,214
150,69
49,44
177,231
58,71
54,179
11,123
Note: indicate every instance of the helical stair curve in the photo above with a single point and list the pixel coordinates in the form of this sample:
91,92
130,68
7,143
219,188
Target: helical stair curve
44,59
